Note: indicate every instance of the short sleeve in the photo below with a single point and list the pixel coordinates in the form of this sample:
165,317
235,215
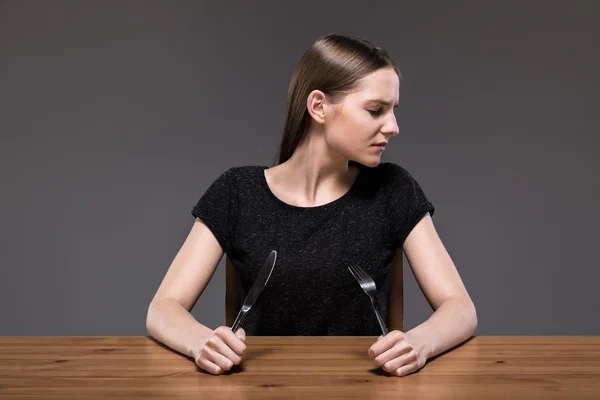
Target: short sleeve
408,203
217,208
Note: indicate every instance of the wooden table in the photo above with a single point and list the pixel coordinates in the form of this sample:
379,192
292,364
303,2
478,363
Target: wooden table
298,368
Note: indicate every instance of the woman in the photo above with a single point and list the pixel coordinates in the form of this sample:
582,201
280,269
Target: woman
328,203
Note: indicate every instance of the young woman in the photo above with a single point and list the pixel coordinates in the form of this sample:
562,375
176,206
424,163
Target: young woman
329,202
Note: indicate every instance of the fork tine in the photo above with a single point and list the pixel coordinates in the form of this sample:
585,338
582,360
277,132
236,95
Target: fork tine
363,275
366,278
353,272
358,277
370,288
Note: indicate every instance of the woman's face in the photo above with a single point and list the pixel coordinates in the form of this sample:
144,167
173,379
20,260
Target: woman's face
363,122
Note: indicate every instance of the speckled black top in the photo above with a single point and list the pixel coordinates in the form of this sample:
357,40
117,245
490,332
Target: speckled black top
311,291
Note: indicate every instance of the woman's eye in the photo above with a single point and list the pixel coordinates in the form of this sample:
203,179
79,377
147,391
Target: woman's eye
375,112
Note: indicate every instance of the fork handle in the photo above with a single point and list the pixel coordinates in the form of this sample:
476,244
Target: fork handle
382,324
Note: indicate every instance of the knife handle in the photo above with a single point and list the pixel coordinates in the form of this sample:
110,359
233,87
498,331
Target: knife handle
240,317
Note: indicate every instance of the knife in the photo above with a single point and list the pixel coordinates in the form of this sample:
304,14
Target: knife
256,289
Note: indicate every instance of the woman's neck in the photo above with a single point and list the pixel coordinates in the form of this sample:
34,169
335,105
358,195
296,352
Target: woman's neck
313,175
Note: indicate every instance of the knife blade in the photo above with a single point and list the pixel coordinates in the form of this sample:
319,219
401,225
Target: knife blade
257,287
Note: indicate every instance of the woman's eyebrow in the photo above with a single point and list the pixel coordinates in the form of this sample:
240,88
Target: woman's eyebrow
380,101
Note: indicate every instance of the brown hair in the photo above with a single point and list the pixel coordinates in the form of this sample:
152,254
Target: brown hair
333,65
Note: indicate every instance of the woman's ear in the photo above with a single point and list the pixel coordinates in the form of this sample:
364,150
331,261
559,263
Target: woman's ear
315,104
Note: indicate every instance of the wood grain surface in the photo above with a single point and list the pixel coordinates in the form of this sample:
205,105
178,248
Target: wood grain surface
485,367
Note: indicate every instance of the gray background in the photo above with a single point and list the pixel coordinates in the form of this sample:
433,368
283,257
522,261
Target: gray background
116,116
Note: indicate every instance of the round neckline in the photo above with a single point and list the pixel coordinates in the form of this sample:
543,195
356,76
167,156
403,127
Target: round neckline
337,201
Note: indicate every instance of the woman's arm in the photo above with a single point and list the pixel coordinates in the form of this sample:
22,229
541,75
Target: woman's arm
169,320
454,319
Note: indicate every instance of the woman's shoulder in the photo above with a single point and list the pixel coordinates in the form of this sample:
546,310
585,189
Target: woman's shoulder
390,179
386,173
244,170
241,176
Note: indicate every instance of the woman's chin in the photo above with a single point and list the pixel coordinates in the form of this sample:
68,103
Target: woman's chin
370,162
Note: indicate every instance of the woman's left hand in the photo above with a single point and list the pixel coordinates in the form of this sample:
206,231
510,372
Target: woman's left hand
398,354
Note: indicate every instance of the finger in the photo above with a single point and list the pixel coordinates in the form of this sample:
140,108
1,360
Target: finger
212,355
399,349
208,366
217,344
241,333
385,344
394,364
231,340
406,369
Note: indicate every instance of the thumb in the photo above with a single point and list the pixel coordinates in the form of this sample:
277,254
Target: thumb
241,333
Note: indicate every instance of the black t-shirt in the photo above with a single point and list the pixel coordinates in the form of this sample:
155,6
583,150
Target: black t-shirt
311,292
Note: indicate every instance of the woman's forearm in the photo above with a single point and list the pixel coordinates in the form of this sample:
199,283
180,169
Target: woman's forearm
451,324
171,324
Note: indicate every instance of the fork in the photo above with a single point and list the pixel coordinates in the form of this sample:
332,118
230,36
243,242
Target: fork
368,285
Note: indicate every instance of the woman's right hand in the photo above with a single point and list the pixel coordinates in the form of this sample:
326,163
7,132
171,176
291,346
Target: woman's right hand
222,350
